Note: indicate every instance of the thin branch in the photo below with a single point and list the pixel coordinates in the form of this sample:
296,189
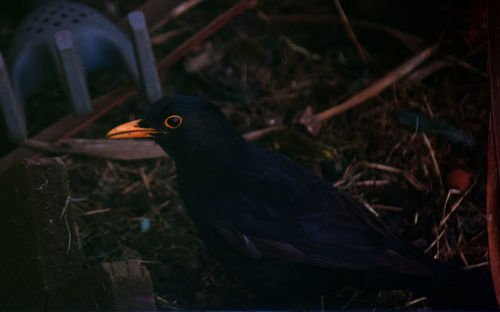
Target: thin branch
350,32
409,177
120,149
412,42
200,36
456,205
163,37
257,134
175,12
433,157
313,122
477,265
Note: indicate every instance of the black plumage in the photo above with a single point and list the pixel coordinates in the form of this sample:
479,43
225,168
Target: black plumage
284,231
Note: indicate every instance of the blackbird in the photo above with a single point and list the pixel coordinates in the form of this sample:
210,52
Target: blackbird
286,233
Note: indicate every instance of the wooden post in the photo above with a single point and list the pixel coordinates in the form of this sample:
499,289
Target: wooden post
40,266
36,233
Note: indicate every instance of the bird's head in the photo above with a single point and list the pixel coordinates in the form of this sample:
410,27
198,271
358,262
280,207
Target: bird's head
183,125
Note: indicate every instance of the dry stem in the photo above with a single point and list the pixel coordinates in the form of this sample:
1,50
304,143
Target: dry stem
350,32
313,121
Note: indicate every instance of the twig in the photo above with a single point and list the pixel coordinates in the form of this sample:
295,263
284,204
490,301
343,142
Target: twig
200,36
97,211
313,122
348,180
409,177
466,65
122,149
257,134
478,235
65,215
350,32
154,11
344,307
448,196
426,71
436,241
438,248
146,261
384,168
368,206
450,60
175,12
347,176
462,256
418,300
433,157
159,12
145,180
161,38
412,42
428,106
78,238
456,205
389,208
300,49
477,265
373,183
132,186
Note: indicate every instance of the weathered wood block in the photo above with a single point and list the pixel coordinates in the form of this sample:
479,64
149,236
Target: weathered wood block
40,268
37,254
110,286
131,285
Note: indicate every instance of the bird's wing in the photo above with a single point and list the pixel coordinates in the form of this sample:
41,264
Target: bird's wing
288,213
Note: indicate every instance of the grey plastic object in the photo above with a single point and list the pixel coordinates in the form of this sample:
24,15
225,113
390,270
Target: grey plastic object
84,36
145,58
12,110
73,72
32,57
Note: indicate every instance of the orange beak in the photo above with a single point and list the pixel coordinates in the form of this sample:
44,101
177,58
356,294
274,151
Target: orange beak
132,130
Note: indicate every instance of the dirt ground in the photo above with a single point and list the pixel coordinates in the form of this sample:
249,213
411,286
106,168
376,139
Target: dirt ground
264,68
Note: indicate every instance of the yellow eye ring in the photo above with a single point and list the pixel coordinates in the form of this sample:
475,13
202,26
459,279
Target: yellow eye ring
173,121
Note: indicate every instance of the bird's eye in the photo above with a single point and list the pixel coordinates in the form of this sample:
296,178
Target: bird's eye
173,121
